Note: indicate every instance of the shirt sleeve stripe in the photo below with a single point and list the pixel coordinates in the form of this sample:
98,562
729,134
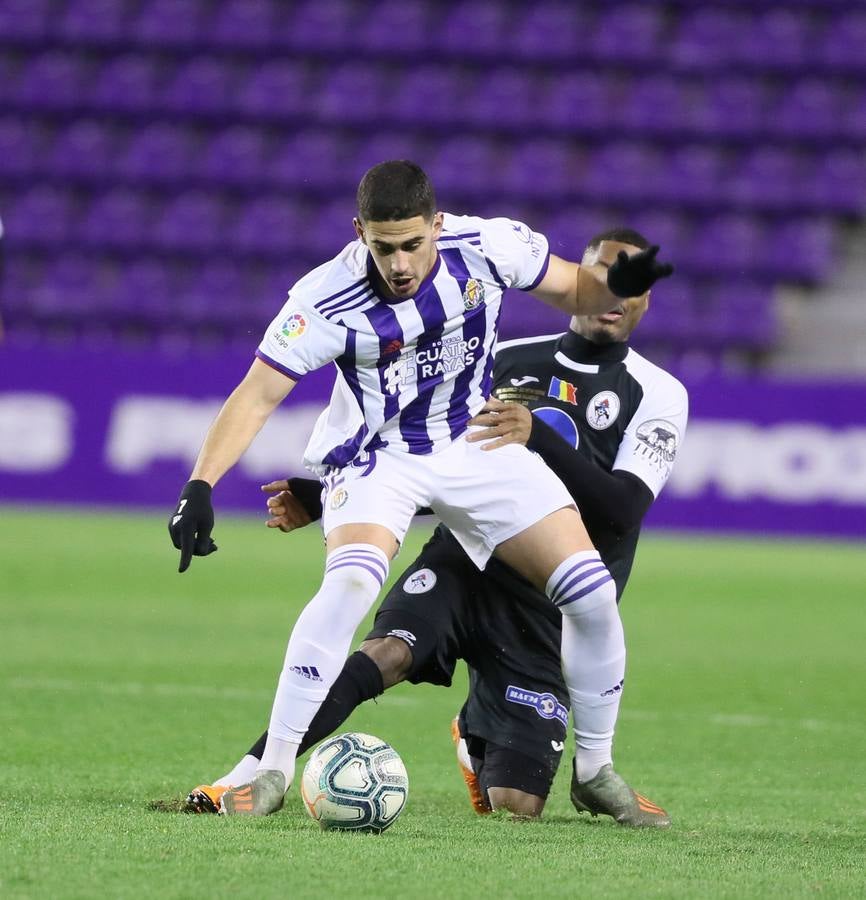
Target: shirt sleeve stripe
275,365
542,272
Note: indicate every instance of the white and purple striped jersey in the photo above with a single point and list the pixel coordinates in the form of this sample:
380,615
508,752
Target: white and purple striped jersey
410,372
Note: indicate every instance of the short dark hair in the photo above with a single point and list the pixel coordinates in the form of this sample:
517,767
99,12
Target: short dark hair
393,190
621,236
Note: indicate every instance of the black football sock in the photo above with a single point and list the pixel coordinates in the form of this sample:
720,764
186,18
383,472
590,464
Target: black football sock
359,680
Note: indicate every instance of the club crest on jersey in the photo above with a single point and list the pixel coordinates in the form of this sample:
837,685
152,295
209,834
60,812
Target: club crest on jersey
420,582
339,497
661,437
473,294
294,326
562,390
602,411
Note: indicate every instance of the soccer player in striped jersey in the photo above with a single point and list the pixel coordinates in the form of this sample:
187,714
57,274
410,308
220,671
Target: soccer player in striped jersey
408,313
609,423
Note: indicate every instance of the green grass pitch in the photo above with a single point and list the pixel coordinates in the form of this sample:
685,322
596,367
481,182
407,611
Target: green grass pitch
123,682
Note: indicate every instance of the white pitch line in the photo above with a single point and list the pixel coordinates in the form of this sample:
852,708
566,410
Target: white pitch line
141,689
214,692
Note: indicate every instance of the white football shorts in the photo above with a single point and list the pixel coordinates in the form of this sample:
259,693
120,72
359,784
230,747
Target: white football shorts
484,496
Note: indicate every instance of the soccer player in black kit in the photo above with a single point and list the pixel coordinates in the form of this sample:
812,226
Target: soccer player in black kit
609,423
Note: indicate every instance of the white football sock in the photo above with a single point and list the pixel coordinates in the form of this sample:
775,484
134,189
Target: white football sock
593,655
242,773
318,647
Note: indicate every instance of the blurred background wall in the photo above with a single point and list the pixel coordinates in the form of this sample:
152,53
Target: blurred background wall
169,167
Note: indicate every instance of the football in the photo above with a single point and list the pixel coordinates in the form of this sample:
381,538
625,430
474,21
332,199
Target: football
355,782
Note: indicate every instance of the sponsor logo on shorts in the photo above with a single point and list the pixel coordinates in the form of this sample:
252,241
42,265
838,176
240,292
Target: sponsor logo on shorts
309,672
403,635
546,705
473,294
558,746
420,581
339,497
602,411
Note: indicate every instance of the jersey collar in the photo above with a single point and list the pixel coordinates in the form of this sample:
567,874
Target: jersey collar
583,352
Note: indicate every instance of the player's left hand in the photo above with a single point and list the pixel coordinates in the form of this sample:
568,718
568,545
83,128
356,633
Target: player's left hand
505,423
631,276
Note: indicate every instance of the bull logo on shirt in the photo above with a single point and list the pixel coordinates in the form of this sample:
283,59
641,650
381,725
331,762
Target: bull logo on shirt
661,437
473,294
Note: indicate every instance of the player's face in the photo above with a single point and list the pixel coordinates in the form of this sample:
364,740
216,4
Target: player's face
403,251
618,324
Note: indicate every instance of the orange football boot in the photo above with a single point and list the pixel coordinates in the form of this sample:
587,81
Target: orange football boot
477,797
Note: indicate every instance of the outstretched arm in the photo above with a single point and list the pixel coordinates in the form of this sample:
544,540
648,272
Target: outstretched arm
587,290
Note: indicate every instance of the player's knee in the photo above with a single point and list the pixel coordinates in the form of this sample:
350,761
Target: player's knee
518,803
392,656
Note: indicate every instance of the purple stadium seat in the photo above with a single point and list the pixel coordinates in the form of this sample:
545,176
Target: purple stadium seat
21,144
329,230
25,21
276,89
84,149
541,169
705,37
811,108
733,107
120,218
244,23
192,221
503,96
802,249
353,92
472,27
673,318
767,178
737,312
546,31
841,42
777,39
694,175
94,21
837,182
267,226
380,147
427,90
728,244
580,102
394,26
308,159
41,215
170,22
667,229
161,153
150,289
656,104
632,32
126,83
572,228
53,80
203,85
234,156
322,25
621,172
466,165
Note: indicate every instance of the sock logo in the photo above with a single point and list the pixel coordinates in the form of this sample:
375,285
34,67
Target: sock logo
310,672
616,689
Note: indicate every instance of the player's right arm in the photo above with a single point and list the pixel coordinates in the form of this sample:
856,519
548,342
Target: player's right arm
236,424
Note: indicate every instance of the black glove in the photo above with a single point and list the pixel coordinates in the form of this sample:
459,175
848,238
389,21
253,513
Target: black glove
308,492
190,526
631,276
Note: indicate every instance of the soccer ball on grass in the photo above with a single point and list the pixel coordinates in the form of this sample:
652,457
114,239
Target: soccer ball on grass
355,782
